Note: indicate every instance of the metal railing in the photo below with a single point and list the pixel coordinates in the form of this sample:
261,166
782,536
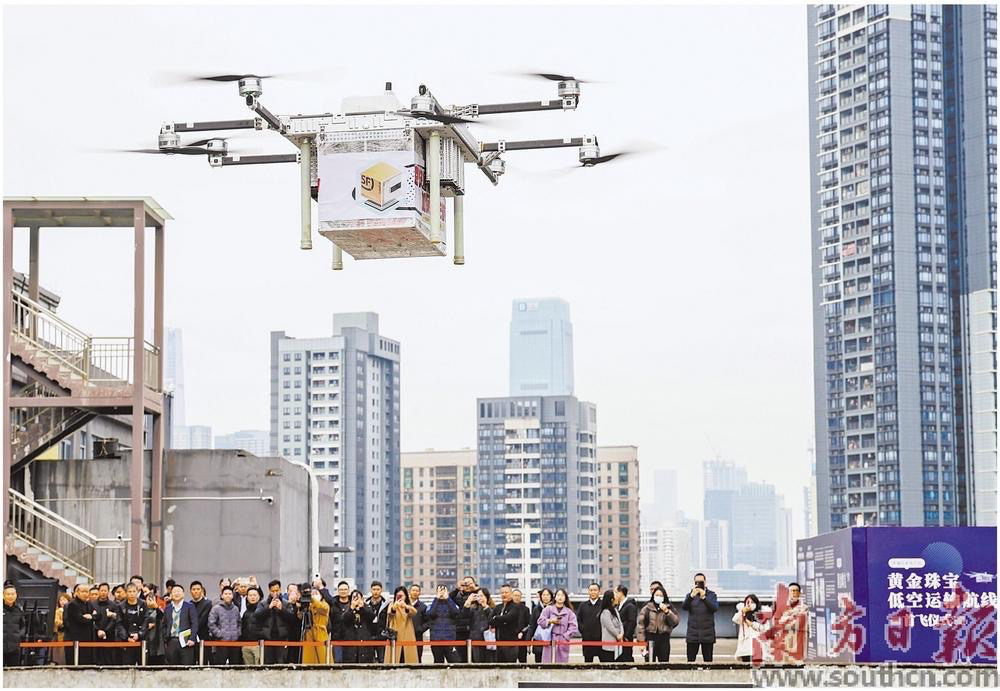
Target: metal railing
91,557
107,361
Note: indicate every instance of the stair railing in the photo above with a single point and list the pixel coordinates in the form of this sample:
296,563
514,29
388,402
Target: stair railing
50,334
101,360
52,534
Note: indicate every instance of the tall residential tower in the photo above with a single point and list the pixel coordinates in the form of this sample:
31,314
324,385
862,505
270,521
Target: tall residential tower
903,180
335,407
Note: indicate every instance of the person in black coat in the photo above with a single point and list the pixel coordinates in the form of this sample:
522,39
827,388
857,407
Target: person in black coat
459,595
131,624
506,620
153,630
276,617
420,621
588,618
203,606
340,608
79,621
15,624
701,605
628,612
107,628
250,627
354,627
380,614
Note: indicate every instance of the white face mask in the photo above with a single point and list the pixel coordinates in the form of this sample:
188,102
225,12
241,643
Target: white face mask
658,599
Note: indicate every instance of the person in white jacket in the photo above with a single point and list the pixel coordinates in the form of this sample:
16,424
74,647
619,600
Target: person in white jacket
748,626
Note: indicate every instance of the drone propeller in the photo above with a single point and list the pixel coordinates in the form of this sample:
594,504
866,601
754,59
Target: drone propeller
555,77
185,150
591,162
174,78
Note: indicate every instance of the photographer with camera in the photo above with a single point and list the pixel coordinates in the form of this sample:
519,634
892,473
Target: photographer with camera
315,612
443,613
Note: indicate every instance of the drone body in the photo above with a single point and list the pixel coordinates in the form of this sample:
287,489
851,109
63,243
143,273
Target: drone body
377,170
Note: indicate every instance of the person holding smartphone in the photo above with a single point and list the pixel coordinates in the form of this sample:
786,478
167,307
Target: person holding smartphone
561,619
478,609
443,614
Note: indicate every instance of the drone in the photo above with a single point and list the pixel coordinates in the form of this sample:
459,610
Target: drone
380,173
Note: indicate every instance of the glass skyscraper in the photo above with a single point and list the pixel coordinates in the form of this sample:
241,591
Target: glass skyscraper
541,348
903,162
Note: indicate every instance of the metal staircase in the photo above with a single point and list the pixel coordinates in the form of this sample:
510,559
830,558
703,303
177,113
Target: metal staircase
62,550
36,430
64,361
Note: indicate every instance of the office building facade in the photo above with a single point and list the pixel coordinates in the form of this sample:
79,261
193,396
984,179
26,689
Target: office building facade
618,519
335,405
903,180
536,476
439,520
541,348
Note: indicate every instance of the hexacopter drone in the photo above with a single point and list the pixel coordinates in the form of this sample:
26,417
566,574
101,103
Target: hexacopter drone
377,169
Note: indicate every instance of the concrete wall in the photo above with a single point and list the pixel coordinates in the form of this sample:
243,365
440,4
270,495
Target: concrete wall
92,493
236,533
215,523
496,676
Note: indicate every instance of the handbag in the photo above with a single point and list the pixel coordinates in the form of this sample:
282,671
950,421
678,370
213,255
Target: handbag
389,634
544,635
490,636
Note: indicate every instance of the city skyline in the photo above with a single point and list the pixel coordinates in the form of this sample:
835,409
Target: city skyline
680,394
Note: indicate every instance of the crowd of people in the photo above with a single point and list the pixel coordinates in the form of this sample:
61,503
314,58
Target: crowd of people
507,628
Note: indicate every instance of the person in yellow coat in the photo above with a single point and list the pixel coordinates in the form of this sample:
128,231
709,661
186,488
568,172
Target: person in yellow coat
400,619
319,612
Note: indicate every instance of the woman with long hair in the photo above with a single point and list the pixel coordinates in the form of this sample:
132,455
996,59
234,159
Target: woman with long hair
544,600
400,619
748,626
612,630
59,628
478,610
560,619
657,620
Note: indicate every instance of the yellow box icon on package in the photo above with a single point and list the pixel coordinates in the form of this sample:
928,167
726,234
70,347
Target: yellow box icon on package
381,185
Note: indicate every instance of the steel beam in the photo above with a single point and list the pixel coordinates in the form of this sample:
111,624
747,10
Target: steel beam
138,399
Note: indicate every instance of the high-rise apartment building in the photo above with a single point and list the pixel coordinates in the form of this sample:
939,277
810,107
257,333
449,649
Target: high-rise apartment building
439,521
256,441
659,506
618,527
335,406
541,348
536,476
665,556
903,173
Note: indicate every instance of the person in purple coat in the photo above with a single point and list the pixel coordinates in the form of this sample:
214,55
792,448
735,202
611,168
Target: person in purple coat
560,618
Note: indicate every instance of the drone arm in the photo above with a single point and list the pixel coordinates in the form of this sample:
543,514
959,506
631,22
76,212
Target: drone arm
532,144
523,107
252,124
268,116
254,160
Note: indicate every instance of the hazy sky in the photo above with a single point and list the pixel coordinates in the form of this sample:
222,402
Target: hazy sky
687,270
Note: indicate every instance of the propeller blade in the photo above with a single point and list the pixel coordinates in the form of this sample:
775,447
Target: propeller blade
184,150
553,77
175,78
